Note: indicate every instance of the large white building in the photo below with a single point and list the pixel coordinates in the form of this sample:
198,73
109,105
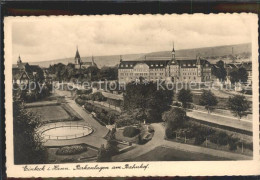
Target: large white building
174,70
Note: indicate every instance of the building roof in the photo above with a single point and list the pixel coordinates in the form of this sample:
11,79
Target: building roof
162,63
153,64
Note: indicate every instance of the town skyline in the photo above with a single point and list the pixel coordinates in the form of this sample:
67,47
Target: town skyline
43,40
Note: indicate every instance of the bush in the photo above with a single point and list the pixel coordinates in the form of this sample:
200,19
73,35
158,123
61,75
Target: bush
98,96
130,131
223,138
169,133
232,142
248,146
79,101
199,139
220,138
84,91
71,150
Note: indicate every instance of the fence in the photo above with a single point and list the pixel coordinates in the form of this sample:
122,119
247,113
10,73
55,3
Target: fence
79,126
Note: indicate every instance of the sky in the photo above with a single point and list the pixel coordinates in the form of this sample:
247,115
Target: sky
49,38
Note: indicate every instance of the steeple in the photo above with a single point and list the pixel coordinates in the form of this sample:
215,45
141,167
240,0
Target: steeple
173,51
19,61
77,57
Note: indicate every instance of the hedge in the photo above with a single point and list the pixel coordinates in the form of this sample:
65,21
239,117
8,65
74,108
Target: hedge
71,150
200,133
107,117
131,131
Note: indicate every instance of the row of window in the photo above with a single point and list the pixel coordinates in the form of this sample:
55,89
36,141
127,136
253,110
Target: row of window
189,74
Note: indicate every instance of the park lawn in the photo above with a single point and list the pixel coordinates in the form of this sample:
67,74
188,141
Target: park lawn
82,157
222,102
50,113
169,154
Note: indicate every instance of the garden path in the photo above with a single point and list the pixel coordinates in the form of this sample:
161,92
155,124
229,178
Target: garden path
95,139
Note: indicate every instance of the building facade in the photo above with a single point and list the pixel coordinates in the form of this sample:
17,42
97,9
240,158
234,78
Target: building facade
173,70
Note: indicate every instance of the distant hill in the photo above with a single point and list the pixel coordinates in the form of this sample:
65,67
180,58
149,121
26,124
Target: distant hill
209,52
204,52
99,60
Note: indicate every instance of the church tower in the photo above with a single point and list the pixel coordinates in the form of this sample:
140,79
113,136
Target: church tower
173,52
19,61
77,57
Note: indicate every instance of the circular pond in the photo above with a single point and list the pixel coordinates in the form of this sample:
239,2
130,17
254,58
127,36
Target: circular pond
66,132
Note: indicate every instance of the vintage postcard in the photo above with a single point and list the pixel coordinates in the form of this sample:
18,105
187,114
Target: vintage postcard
132,95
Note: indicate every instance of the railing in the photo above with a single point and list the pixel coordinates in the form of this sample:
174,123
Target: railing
65,124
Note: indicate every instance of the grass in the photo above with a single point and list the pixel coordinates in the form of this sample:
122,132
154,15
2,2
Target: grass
222,102
170,154
50,113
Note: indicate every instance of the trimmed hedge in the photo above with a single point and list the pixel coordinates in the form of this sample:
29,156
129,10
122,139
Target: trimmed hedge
84,91
107,117
131,131
71,150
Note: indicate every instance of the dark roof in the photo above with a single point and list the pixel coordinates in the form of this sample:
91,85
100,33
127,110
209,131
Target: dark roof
184,63
151,63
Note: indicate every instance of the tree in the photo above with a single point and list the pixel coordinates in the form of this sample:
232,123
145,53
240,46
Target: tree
28,147
102,155
238,75
185,96
111,147
219,71
238,105
175,118
145,96
109,73
208,99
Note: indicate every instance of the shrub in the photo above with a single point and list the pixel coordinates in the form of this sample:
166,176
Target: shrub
98,96
130,131
223,138
79,101
232,142
248,146
84,91
71,150
199,139
169,133
220,138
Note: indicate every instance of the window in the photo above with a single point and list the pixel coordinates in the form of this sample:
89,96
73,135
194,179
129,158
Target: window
126,65
156,65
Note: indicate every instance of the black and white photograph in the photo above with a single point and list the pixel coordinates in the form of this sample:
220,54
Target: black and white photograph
140,88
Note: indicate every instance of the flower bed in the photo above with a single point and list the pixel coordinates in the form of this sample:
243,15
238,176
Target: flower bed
71,150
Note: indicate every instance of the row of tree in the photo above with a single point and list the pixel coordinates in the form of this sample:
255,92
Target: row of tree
237,103
92,73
